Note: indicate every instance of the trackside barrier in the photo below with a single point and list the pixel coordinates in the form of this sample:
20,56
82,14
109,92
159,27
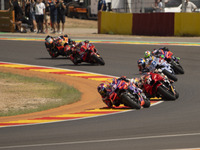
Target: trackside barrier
156,24
116,23
187,24
5,17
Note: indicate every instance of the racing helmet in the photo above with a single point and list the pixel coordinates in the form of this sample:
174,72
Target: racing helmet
102,89
141,63
49,41
147,54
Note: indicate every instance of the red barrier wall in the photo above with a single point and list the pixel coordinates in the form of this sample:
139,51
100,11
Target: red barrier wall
159,24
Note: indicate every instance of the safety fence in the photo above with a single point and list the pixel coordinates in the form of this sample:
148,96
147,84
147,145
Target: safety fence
6,16
157,24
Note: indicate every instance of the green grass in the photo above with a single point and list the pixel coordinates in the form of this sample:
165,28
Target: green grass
34,88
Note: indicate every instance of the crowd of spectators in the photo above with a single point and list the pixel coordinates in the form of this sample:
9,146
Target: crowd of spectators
40,16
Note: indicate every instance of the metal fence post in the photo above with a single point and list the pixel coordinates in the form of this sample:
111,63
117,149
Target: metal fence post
142,6
183,6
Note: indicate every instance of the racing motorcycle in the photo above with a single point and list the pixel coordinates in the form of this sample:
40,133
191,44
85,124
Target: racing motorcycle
156,85
59,46
125,93
170,58
90,55
163,66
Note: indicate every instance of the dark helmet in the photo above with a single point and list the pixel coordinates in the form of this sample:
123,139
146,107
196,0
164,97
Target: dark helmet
49,41
102,89
86,41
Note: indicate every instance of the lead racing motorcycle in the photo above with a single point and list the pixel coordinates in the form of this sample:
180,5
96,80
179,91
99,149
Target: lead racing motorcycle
126,93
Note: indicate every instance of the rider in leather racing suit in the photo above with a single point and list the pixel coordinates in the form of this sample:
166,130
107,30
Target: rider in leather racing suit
161,52
151,64
105,90
82,49
58,45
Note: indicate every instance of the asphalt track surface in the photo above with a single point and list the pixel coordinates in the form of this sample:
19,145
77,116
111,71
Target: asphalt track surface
169,125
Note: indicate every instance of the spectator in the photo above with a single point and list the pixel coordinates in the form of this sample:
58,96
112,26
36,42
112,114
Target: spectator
22,23
18,11
102,5
32,13
158,6
39,15
53,14
46,16
188,6
109,5
61,15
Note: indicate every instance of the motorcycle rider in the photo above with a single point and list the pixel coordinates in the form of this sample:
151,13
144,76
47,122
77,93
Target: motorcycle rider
161,52
58,45
105,90
142,66
83,50
151,64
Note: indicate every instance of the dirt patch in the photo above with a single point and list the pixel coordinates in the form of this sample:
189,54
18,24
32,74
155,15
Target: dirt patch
90,99
80,23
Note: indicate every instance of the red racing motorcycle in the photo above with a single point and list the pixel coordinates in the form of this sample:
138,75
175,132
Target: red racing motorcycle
156,85
86,54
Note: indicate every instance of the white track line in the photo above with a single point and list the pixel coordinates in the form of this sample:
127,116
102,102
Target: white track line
101,141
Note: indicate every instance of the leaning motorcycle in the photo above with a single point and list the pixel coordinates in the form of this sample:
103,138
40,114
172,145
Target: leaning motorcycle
156,85
174,61
125,93
91,55
164,66
58,47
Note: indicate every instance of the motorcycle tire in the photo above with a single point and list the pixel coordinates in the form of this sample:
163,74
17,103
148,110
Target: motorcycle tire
147,103
165,94
177,94
54,55
98,60
127,101
177,68
169,75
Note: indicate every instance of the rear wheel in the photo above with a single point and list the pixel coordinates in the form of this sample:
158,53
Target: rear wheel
130,102
165,93
170,76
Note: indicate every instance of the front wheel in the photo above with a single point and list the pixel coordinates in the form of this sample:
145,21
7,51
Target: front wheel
98,60
53,55
130,102
147,103
165,94
177,68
